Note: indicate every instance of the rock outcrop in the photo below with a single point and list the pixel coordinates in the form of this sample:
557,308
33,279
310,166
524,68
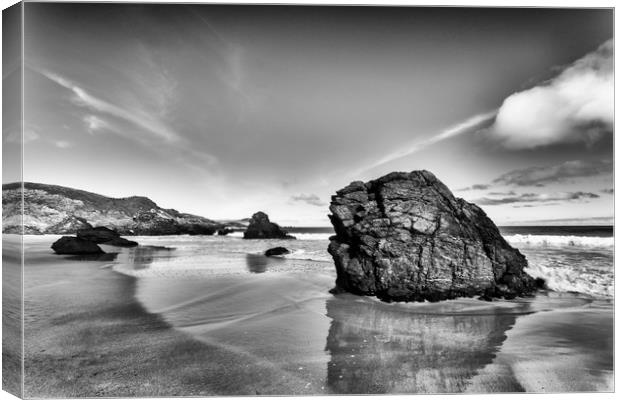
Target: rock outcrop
52,209
224,231
261,228
405,237
277,251
75,245
103,235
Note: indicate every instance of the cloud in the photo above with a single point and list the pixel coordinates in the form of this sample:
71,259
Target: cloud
536,198
94,123
15,136
538,176
510,193
454,130
608,191
575,106
62,144
187,153
141,119
477,186
311,199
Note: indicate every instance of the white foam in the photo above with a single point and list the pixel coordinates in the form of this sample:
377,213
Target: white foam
580,280
551,240
298,236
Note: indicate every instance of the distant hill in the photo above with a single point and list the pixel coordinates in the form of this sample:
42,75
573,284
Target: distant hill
52,209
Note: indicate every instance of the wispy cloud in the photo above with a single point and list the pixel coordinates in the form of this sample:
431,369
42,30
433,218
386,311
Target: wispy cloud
477,186
575,106
539,176
15,136
63,144
151,132
311,199
454,130
136,117
536,198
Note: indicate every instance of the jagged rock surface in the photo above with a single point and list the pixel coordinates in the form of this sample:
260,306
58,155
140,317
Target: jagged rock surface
261,228
405,237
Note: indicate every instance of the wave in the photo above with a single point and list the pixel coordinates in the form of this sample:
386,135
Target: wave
580,280
308,255
298,236
556,240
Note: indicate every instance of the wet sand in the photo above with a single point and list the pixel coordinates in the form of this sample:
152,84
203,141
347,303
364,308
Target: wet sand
91,331
11,315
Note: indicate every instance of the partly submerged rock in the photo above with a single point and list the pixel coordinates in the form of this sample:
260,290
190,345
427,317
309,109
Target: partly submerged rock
405,237
75,245
103,235
121,242
277,251
224,231
100,234
261,228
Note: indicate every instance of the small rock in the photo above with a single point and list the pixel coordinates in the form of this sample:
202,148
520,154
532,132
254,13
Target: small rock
103,235
75,245
100,234
121,242
224,231
277,251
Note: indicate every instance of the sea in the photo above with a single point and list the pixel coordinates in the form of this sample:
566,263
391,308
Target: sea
575,259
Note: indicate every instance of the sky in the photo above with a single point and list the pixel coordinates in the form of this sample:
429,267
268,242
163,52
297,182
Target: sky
222,111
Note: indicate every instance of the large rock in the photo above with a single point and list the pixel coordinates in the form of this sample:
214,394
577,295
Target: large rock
261,228
405,237
75,245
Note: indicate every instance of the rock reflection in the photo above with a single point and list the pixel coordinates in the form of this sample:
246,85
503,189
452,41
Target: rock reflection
382,348
259,263
142,257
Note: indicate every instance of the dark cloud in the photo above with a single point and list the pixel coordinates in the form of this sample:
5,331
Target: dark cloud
474,187
311,199
539,176
510,193
536,198
608,191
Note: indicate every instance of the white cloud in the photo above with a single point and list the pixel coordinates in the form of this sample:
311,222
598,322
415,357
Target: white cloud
94,123
311,199
62,144
575,106
141,119
15,136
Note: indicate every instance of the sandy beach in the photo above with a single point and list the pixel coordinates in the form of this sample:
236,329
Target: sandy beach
92,331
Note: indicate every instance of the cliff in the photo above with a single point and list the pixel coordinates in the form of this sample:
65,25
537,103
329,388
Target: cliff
52,209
